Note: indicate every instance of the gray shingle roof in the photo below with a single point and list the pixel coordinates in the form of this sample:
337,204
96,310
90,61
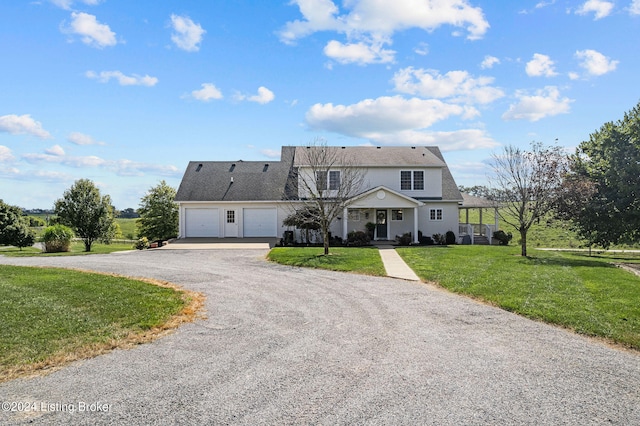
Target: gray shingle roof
236,180
382,156
272,181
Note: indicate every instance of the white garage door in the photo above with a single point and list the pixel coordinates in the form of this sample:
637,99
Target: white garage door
202,222
260,222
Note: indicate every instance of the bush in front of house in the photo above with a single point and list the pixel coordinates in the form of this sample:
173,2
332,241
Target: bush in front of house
358,239
503,237
142,243
439,239
450,238
57,238
404,239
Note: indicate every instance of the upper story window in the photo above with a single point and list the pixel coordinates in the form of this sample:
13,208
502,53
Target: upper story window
321,181
411,180
334,179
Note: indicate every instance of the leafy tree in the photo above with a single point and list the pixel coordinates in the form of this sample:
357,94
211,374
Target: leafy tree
327,179
304,218
128,213
158,213
529,182
14,228
89,214
604,178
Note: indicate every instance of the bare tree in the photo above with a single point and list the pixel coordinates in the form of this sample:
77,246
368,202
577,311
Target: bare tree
530,182
327,178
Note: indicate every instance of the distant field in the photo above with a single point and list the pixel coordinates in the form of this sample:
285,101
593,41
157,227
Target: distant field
128,228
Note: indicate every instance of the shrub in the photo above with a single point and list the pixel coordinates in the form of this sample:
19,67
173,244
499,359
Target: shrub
57,238
405,239
142,243
439,239
450,238
503,237
358,239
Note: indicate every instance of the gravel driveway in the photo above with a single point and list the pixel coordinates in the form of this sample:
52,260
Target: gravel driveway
284,345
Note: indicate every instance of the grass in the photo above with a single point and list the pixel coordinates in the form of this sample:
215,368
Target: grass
582,293
128,228
77,249
364,260
52,316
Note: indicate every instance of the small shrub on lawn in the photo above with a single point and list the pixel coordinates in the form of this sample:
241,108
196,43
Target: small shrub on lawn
358,239
57,238
503,237
142,243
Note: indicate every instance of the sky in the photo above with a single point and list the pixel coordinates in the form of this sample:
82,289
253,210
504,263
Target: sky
126,93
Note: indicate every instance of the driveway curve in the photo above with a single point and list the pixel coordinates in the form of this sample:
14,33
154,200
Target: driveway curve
285,345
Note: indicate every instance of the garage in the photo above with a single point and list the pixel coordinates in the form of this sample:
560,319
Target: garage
261,222
201,222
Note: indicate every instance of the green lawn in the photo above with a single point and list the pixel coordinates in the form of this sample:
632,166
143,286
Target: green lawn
77,249
364,260
586,294
51,316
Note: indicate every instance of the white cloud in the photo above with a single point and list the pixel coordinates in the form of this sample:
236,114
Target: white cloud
457,86
187,34
466,139
66,4
55,150
595,63
123,80
270,153
264,96
634,7
91,32
544,103
382,117
5,154
540,65
209,91
600,8
370,24
423,49
360,53
82,139
489,61
122,167
22,124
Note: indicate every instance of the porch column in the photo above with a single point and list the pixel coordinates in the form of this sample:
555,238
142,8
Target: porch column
345,218
481,230
415,225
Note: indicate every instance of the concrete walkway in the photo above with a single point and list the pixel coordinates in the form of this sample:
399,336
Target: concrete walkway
395,266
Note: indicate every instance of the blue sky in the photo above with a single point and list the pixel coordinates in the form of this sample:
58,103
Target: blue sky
125,93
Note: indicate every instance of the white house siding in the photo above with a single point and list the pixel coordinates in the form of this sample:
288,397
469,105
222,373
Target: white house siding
282,211
390,177
449,220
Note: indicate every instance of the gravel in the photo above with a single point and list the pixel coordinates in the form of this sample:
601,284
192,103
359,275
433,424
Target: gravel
285,345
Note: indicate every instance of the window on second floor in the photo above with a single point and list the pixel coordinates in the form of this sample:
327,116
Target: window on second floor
411,180
334,179
321,181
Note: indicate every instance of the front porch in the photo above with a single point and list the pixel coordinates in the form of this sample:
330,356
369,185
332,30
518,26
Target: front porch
479,232
392,214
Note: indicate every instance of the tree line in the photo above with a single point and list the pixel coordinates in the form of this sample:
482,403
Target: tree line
91,216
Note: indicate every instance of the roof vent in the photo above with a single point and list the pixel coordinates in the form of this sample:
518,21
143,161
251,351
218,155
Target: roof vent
266,166
343,147
378,147
413,147
233,166
199,167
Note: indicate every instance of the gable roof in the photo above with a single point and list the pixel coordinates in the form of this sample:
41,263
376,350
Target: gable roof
378,156
236,180
276,180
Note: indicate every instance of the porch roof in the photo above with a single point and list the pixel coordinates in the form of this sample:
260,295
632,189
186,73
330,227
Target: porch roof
383,197
473,202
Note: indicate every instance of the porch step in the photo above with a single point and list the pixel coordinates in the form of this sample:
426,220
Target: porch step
480,240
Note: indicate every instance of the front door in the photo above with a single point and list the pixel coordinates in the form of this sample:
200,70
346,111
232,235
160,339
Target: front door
231,224
381,224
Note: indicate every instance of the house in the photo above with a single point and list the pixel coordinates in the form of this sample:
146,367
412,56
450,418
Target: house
404,189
